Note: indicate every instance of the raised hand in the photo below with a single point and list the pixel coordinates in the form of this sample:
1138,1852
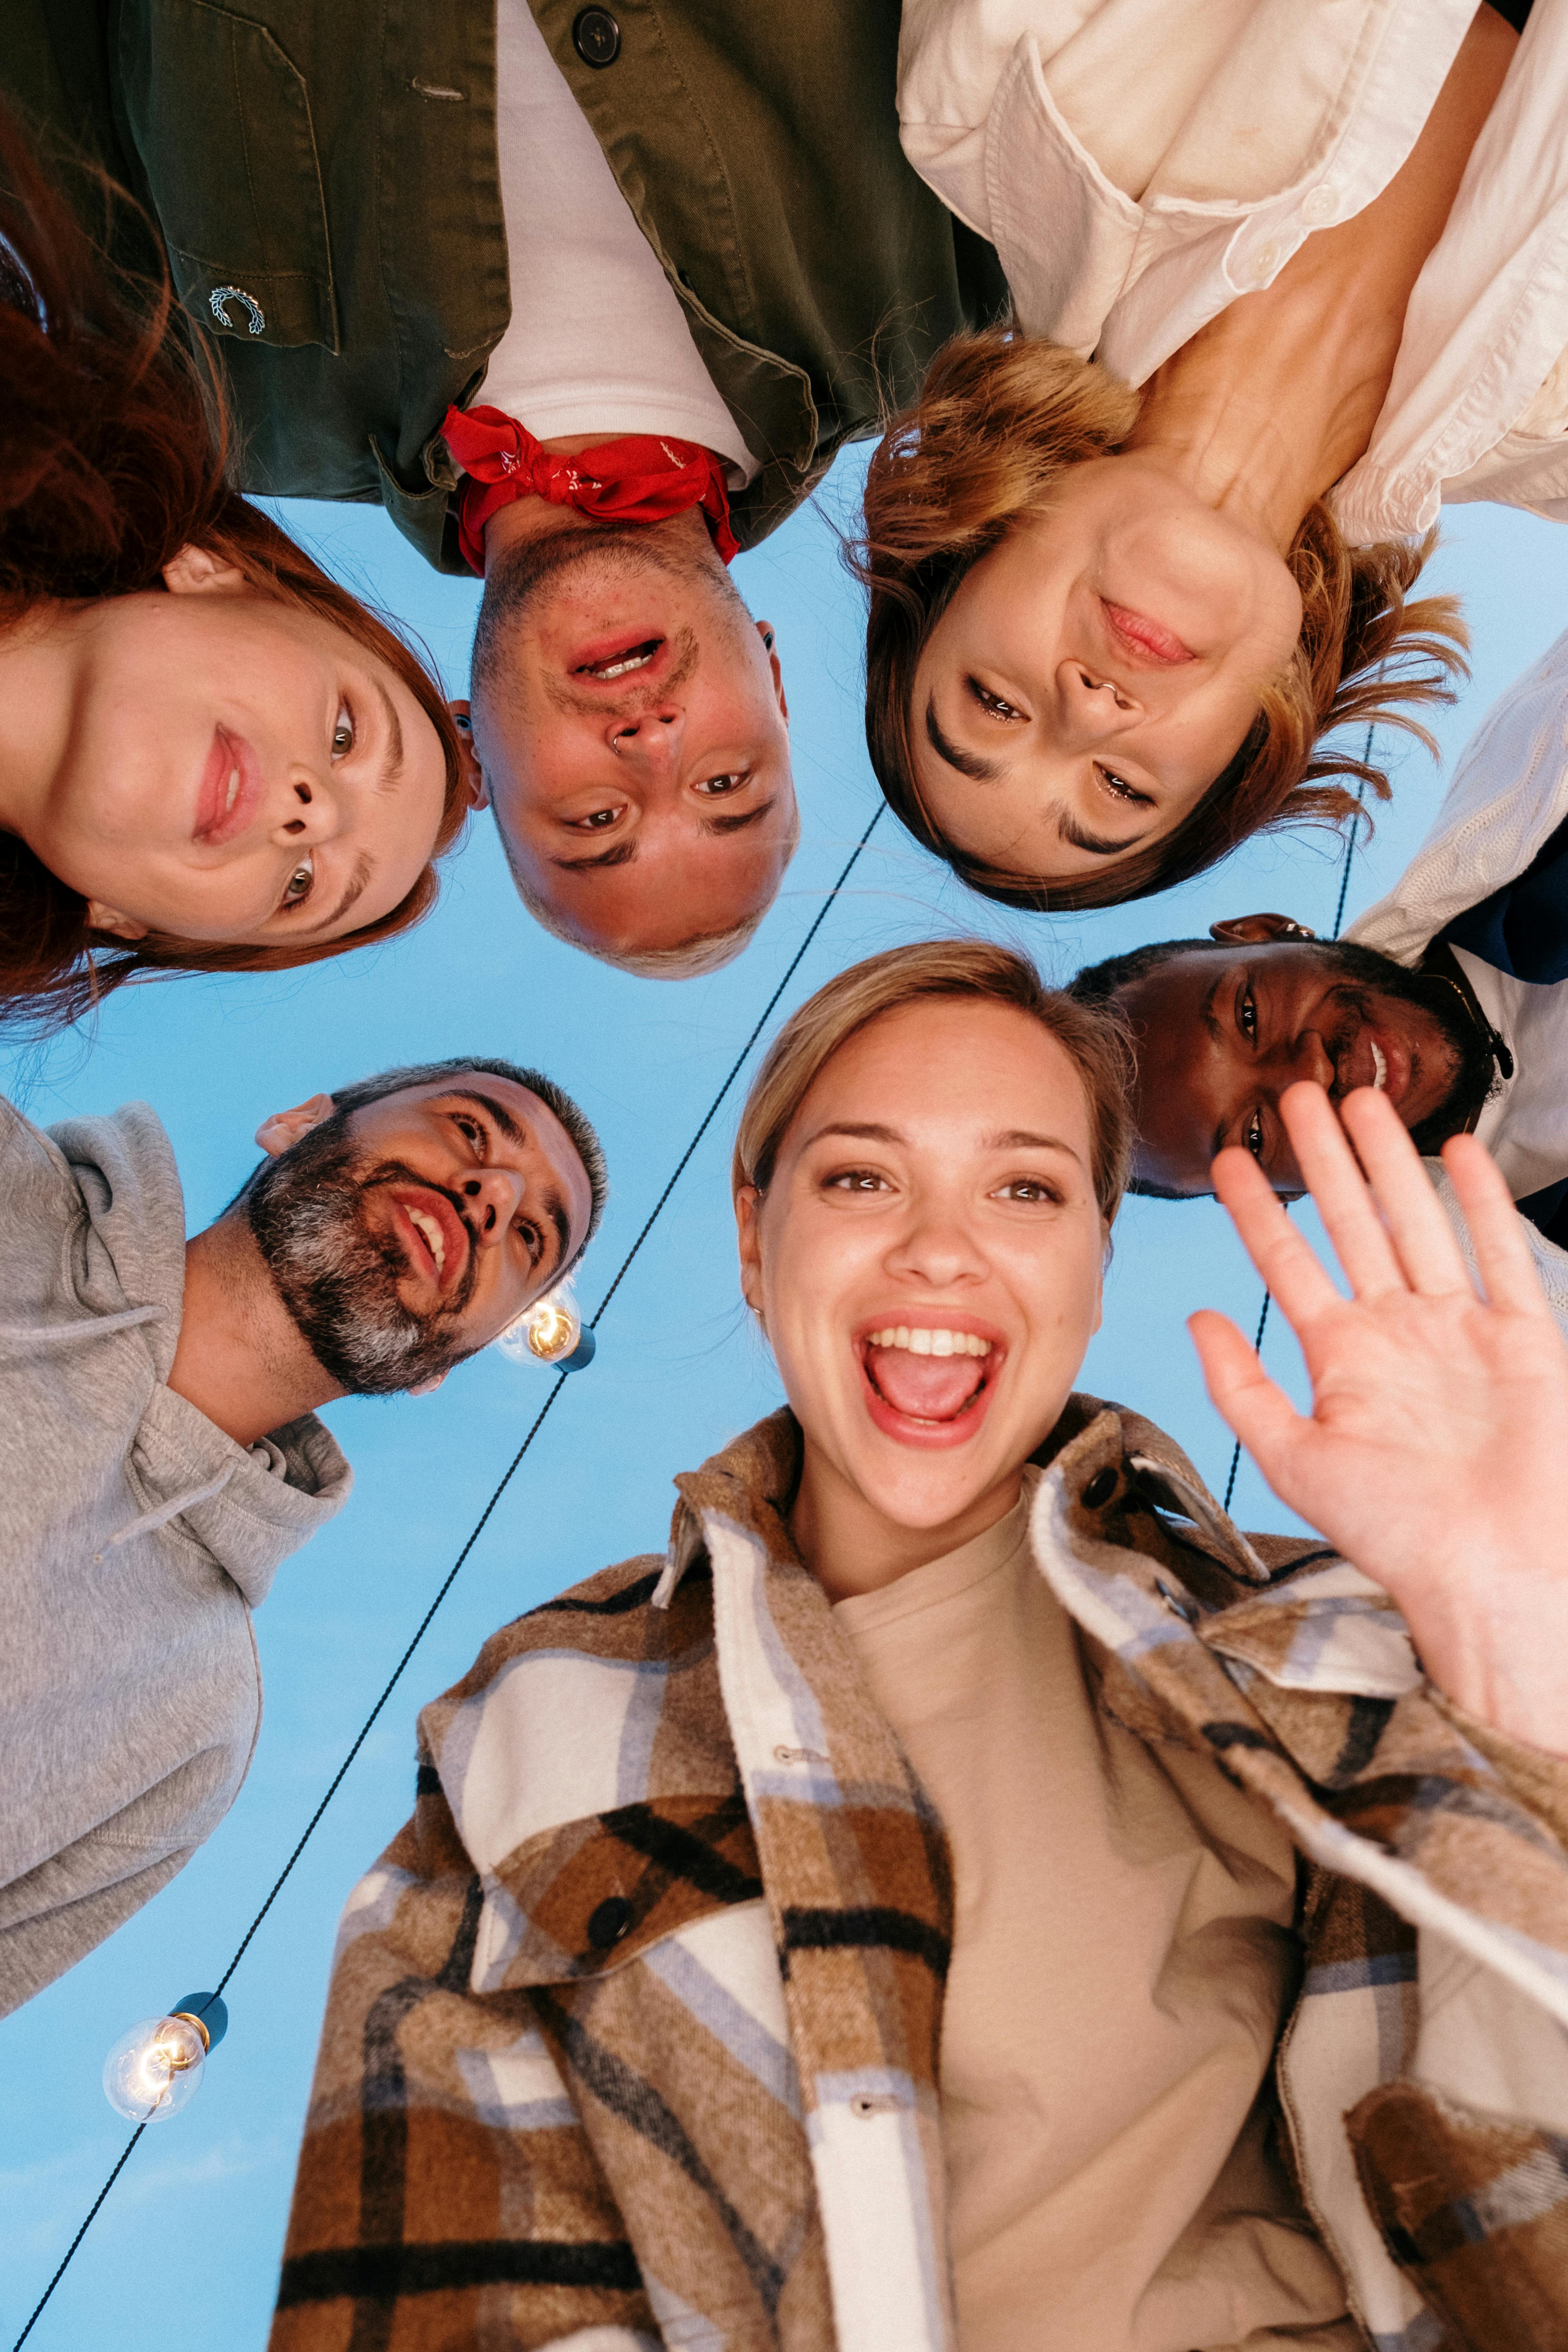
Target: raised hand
1436,1454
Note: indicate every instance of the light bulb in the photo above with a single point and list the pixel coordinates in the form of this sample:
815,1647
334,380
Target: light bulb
550,1332
156,2068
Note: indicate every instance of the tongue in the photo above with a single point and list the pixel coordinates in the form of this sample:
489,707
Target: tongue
929,1388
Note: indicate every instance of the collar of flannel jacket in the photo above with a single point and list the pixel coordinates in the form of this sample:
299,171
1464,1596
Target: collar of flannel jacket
705,1863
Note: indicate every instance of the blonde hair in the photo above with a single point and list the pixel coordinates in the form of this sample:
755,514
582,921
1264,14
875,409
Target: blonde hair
999,419
1092,1038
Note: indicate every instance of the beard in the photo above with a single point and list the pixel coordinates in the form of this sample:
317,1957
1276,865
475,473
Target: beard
338,1278
1363,970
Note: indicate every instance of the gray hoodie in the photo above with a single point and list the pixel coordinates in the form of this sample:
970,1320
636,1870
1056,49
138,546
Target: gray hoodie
136,1541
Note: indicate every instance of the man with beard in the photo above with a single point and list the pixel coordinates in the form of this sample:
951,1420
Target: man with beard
159,1447
1451,995
650,267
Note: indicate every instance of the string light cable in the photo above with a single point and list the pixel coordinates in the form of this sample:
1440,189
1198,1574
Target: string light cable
480,1524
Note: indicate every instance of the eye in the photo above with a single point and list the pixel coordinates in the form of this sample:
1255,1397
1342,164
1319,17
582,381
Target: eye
1252,1135
533,1240
991,704
299,885
1247,1015
472,1129
1031,1189
1120,787
717,786
344,732
855,1180
597,820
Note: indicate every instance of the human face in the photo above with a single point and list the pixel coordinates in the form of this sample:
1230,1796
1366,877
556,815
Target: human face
235,770
1222,1032
638,756
407,1235
1095,672
937,1179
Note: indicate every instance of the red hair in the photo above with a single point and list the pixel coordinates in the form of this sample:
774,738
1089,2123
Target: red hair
116,451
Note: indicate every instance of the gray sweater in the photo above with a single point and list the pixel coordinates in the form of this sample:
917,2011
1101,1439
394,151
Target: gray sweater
136,1541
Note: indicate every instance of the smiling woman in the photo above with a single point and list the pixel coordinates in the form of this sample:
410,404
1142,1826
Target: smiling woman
212,757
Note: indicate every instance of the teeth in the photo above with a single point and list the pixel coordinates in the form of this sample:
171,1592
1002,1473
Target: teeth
923,1342
619,669
233,791
1379,1066
431,1229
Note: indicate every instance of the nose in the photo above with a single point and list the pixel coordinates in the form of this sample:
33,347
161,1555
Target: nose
654,737
307,813
1097,709
936,1247
1307,1056
493,1197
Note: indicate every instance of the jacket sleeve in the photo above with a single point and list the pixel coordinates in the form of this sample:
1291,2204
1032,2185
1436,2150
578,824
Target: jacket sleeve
447,2194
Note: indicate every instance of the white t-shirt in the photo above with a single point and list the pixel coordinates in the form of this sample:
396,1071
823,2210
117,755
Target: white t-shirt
597,341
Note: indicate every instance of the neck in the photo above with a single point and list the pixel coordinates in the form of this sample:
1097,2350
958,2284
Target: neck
241,1359
40,660
850,1547
536,517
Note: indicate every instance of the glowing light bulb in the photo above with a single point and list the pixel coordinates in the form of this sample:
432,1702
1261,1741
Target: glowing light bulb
157,2069
550,1332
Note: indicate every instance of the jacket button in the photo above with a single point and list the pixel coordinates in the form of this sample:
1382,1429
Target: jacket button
608,1923
1100,1489
596,37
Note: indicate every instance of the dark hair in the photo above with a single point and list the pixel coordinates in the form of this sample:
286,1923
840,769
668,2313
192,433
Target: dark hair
1100,985
585,1139
115,453
999,419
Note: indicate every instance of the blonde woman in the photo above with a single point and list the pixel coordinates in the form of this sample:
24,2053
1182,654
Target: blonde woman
963,1892
1285,279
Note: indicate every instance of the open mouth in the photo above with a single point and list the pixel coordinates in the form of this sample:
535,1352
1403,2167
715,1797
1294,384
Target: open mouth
434,1238
928,1385
621,661
1379,1065
229,790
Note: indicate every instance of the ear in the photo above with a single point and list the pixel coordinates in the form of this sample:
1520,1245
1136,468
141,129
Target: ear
473,774
196,572
109,919
285,1128
1258,931
766,631
426,1387
749,1237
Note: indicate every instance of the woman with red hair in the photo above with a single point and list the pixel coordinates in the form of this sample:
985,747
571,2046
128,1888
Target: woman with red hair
212,756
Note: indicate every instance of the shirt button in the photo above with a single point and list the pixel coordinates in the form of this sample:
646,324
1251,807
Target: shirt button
1265,262
596,37
1319,205
1100,1489
608,1923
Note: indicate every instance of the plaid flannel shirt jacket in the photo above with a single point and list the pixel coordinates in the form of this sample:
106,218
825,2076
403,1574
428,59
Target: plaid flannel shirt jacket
632,2032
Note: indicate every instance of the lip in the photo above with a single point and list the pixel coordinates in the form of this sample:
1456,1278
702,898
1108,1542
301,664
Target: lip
904,1429
1397,1063
454,1232
1144,638
583,658
216,821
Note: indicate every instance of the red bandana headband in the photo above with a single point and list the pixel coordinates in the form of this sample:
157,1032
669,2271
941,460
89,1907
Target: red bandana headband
639,477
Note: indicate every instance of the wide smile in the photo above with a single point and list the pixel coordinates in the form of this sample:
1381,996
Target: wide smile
1381,1059
435,1238
927,1378
611,662
230,793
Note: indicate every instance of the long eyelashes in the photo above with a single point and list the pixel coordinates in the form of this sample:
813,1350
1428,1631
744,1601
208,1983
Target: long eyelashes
991,704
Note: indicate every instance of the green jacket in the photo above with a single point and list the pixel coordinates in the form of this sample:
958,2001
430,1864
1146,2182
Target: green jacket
336,165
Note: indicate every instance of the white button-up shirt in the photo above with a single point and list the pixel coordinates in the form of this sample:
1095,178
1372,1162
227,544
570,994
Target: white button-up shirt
1139,163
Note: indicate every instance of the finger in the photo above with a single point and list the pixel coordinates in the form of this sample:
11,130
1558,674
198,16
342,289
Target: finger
1343,1198
1287,1261
1254,1408
1423,1241
1497,1230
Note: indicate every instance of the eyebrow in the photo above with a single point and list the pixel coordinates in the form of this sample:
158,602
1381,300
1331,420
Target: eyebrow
1096,844
1024,1138
514,1128
722,825
623,856
363,868
392,767
968,764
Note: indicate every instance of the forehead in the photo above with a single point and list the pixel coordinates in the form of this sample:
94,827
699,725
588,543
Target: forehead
947,1064
524,1124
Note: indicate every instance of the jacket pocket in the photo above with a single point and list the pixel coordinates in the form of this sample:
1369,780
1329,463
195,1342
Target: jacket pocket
221,118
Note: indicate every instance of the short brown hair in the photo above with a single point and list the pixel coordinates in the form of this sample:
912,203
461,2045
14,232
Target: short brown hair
1093,1040
999,419
116,451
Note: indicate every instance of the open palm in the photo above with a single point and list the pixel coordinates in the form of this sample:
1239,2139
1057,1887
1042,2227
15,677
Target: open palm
1436,1454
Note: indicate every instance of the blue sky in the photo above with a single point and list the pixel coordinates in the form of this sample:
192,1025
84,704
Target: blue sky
184,2253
